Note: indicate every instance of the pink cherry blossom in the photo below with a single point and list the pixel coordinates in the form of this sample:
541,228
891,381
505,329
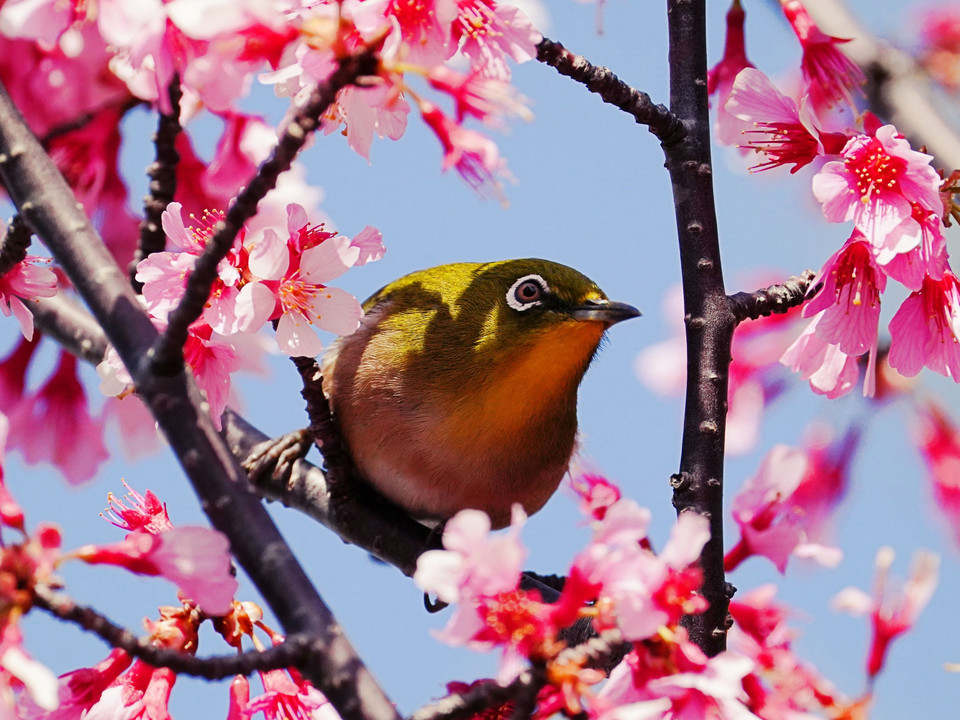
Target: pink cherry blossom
688,686
939,444
55,84
487,99
424,26
596,493
489,32
365,111
777,128
72,439
850,298
648,591
829,370
892,612
785,507
196,559
474,156
830,75
720,78
134,512
926,328
876,184
473,562
25,281
79,690
16,666
164,274
480,572
927,259
283,698
291,276
142,692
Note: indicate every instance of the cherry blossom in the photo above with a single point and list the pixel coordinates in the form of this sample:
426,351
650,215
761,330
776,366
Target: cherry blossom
291,283
829,370
596,493
939,444
926,328
196,558
777,128
676,682
876,184
720,78
830,75
892,613
647,591
850,297
489,32
473,565
474,156
79,690
27,280
164,274
784,508
73,438
487,99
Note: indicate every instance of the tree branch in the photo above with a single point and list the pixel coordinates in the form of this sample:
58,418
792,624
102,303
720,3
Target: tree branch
774,300
287,654
601,80
16,242
709,320
163,182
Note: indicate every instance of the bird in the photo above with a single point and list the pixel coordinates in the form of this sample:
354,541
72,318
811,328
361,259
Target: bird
459,388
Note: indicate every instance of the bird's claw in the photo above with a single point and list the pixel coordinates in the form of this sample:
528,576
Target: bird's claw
272,460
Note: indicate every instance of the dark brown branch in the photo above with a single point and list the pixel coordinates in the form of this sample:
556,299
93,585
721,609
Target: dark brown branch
16,242
600,80
289,653
163,182
709,319
76,330
774,300
168,353
49,207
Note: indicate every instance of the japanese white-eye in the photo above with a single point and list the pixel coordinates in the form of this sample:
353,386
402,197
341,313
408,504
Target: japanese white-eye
459,389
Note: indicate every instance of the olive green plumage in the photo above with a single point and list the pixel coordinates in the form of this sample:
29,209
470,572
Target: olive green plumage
459,389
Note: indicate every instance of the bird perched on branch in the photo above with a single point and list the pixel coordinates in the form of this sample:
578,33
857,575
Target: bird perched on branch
459,389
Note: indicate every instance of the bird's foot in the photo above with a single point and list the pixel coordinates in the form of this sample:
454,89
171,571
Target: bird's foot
272,460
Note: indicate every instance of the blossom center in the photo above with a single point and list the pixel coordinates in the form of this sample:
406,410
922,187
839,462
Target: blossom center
876,171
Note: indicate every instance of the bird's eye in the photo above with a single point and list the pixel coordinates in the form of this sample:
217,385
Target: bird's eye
527,292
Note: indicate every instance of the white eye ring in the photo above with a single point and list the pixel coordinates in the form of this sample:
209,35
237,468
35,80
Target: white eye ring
518,303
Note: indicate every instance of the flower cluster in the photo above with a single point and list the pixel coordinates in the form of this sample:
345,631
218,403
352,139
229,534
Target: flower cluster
269,275
869,177
118,53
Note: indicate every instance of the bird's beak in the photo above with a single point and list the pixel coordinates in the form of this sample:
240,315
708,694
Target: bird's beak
604,311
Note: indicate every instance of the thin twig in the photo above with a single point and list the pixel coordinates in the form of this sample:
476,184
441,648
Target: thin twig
289,653
600,80
163,182
774,300
168,352
16,242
